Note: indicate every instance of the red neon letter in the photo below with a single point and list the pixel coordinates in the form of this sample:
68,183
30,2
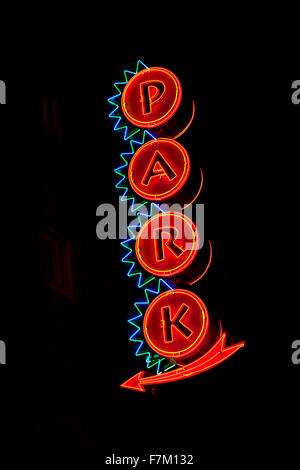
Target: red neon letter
152,93
162,242
174,322
159,169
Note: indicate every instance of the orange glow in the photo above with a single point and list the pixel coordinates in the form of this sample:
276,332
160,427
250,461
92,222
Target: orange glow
188,124
198,192
208,265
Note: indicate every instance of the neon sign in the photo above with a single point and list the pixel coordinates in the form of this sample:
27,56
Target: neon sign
172,330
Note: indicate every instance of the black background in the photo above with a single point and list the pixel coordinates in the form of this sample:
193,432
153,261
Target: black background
66,359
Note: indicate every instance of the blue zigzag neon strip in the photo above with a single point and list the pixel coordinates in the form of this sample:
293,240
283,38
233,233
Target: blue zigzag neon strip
116,114
130,258
121,170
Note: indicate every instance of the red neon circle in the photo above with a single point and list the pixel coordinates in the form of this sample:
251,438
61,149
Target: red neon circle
167,244
159,169
151,97
176,323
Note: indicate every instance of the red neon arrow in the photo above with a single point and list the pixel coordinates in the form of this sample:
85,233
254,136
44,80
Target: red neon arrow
217,354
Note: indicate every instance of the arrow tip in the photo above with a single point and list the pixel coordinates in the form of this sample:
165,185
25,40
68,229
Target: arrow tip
134,383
